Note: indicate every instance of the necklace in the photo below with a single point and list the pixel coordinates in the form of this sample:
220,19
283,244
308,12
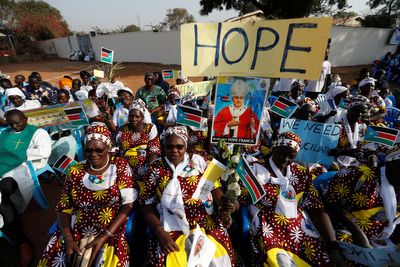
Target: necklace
99,169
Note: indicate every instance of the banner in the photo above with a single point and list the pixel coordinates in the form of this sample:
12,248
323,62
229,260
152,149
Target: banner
199,88
316,139
373,257
72,115
238,108
293,48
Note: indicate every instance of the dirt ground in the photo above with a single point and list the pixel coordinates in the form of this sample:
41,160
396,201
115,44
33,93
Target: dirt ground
37,221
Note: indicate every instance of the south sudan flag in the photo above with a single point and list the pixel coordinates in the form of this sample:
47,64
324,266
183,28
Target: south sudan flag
381,135
249,180
284,107
189,116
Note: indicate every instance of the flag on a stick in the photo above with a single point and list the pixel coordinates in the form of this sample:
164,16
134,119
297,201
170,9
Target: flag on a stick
106,55
168,74
249,180
189,116
284,107
381,135
63,164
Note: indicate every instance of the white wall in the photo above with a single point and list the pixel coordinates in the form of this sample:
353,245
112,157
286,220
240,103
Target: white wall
145,46
358,46
349,46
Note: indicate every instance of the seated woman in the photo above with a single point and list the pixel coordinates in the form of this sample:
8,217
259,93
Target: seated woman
329,111
171,210
105,106
282,233
368,196
138,141
94,206
17,100
168,119
350,147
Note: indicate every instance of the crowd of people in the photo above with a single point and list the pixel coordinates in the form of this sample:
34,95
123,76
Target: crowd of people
139,162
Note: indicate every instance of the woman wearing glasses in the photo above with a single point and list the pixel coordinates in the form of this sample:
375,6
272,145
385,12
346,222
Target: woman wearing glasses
94,206
173,205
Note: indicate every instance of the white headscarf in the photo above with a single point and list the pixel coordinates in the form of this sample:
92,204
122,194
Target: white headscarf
366,81
14,91
337,90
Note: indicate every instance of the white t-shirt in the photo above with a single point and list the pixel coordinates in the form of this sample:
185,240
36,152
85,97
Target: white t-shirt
316,86
283,84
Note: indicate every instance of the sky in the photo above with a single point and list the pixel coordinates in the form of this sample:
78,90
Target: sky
82,15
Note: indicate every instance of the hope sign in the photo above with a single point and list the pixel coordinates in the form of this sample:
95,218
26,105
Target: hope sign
270,48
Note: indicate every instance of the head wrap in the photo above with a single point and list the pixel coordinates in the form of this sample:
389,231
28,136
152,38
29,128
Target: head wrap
337,90
394,155
174,91
189,98
366,81
179,131
98,131
138,104
65,83
239,88
358,100
125,89
288,139
14,91
296,84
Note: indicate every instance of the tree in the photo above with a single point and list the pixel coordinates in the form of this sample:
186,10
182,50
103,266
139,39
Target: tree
275,8
388,7
132,28
39,20
176,17
387,11
7,15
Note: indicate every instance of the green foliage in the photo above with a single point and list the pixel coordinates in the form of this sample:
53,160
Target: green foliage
387,11
275,8
388,7
379,21
176,17
132,28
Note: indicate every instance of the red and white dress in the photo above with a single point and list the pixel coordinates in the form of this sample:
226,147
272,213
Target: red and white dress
94,202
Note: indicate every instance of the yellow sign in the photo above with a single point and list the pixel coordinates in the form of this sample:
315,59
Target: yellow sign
293,48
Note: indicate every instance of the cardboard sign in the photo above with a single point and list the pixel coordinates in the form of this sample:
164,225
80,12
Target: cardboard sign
72,115
198,88
98,73
374,257
238,108
292,48
106,55
316,139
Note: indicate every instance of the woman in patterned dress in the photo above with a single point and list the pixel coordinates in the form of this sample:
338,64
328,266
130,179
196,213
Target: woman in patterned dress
172,208
138,141
95,202
368,196
282,233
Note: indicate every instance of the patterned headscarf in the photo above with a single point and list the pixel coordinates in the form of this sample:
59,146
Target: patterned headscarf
308,101
358,100
138,104
98,131
179,131
174,91
288,139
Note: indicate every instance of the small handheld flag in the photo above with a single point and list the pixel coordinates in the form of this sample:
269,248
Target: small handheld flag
106,55
168,74
76,116
63,164
381,135
189,116
343,104
284,107
249,180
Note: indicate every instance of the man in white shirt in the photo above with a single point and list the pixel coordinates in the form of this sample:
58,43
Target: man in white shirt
314,88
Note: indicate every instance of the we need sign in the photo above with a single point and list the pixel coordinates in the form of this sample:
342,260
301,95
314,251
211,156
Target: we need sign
293,48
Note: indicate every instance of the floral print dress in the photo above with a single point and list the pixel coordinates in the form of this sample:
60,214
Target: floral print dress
137,147
158,177
93,203
275,237
356,190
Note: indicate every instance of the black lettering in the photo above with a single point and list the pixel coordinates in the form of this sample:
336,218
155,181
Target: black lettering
245,40
216,46
263,48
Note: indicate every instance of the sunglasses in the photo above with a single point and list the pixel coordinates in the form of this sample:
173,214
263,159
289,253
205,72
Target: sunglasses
97,150
178,147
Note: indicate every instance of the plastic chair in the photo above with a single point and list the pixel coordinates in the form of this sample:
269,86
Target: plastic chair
321,182
4,236
392,116
79,138
272,100
245,223
38,194
393,99
48,168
